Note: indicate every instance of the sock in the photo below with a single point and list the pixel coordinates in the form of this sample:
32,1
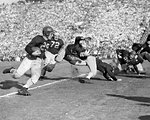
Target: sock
28,84
89,75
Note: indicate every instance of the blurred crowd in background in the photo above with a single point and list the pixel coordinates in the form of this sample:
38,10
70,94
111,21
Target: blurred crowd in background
111,24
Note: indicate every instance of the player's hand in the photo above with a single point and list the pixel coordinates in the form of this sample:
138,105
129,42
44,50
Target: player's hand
86,53
36,51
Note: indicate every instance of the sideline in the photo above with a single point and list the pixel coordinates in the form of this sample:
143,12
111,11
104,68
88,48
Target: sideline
14,93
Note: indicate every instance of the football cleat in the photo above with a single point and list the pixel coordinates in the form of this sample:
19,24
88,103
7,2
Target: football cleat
110,79
24,91
8,70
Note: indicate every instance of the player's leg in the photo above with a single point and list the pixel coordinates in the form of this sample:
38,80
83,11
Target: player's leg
136,69
125,68
61,54
101,66
43,73
75,61
9,70
106,76
109,71
112,76
23,67
140,68
49,63
50,58
146,56
122,63
48,68
91,63
35,75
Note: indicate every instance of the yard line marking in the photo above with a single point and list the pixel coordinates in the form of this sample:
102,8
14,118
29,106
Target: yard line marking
9,94
48,84
13,93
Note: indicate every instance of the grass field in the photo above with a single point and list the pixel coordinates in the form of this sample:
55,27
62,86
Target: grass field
58,97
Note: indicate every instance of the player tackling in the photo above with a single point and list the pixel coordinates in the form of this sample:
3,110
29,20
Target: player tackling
77,54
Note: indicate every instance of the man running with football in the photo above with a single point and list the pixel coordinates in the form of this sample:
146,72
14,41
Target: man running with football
33,61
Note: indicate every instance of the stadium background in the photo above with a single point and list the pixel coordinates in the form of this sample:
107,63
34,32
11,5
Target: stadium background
118,23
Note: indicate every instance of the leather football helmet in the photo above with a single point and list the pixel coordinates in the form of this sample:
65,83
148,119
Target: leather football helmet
47,30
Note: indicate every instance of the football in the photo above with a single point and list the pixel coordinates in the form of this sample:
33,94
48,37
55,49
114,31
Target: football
36,51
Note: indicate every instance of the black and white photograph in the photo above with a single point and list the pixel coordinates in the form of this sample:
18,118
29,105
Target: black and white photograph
74,60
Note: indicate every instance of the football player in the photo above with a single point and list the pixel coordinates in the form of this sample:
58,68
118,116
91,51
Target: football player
103,67
35,53
143,49
77,54
80,51
123,58
54,45
107,70
134,60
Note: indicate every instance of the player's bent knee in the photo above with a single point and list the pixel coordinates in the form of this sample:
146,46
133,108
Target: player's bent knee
16,75
60,55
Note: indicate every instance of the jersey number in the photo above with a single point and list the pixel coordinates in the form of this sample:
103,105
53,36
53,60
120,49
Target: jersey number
54,44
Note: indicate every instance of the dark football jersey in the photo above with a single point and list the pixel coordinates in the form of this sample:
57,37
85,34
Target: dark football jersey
140,48
76,51
37,41
136,60
54,46
79,49
70,50
122,55
40,42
